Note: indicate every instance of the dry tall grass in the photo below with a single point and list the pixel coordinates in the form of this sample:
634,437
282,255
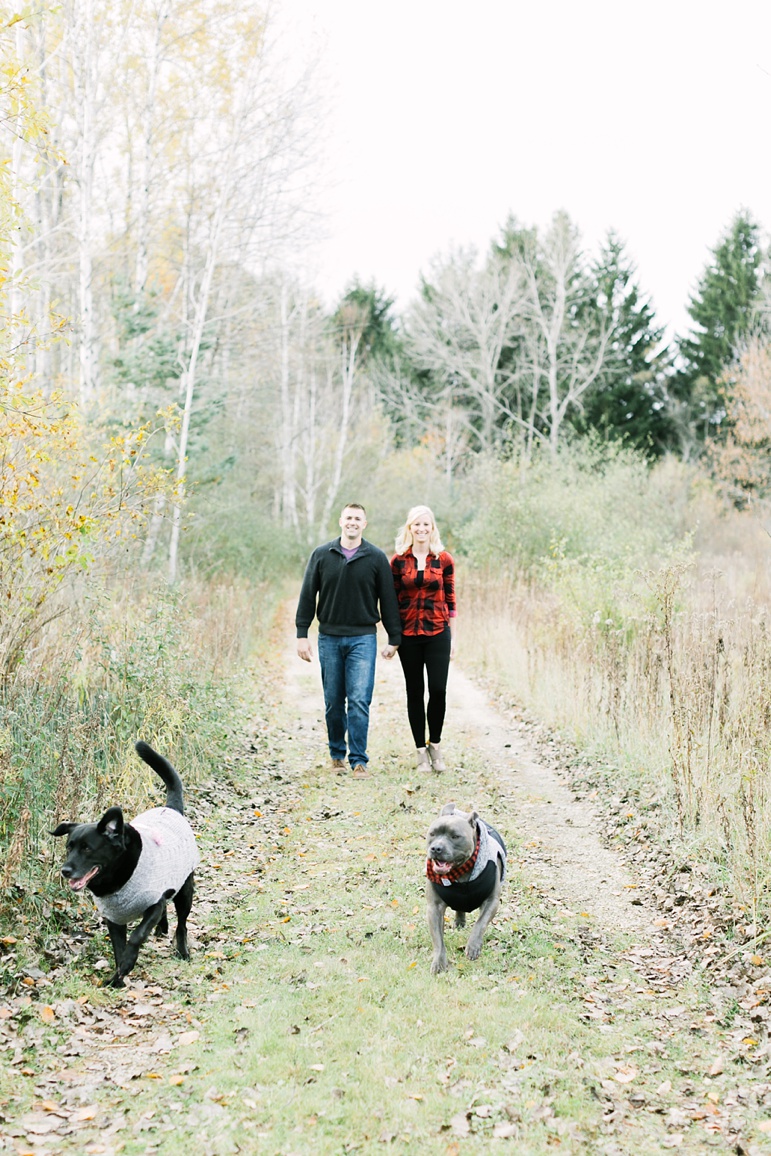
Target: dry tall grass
129,661
665,672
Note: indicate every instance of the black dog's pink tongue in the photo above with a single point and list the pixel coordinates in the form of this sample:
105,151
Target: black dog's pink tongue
441,868
79,884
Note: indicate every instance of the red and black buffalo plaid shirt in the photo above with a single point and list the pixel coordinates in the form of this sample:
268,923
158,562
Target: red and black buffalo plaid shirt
426,597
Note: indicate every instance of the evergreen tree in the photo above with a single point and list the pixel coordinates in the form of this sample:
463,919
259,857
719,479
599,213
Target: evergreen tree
628,401
722,309
370,307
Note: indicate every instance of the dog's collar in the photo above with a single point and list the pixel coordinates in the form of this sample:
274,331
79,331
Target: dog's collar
456,872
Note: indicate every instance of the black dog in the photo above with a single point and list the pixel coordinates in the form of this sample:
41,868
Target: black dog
132,869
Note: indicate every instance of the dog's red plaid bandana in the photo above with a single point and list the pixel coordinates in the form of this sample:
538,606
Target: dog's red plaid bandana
456,872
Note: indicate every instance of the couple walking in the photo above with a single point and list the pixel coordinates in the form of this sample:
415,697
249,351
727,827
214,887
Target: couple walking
350,586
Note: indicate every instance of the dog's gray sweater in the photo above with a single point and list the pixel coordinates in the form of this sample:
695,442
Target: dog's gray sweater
169,854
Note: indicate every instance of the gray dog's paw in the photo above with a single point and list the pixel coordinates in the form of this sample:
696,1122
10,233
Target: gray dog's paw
439,965
473,950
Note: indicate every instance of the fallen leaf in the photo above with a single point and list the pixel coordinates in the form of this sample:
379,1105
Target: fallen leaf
625,1074
89,1113
188,1038
460,1125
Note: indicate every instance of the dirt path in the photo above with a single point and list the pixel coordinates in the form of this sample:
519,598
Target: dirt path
560,833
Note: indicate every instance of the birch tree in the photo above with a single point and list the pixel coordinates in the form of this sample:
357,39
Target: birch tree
318,366
563,341
235,173
457,332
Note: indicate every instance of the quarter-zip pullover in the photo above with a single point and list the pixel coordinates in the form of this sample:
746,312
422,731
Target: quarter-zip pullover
348,593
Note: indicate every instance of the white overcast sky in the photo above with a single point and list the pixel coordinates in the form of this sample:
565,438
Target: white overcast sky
445,116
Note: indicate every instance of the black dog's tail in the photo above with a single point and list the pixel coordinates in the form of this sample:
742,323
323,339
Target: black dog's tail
170,777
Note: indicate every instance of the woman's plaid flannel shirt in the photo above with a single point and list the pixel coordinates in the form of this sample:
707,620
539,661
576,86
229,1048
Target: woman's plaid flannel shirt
426,597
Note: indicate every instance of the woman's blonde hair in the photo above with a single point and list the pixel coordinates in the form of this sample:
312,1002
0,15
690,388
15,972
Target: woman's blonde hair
404,536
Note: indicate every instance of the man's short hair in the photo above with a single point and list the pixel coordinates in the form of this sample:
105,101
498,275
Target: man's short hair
353,506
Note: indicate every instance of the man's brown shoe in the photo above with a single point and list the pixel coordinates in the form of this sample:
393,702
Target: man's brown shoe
360,771
338,765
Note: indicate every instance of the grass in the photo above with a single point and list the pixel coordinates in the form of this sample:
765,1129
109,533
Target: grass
308,1020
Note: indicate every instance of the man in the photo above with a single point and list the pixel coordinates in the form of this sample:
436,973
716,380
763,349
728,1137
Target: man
351,578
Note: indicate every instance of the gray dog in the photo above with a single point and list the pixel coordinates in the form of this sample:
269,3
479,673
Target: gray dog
465,869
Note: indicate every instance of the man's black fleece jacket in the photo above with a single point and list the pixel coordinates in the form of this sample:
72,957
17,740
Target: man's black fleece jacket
348,593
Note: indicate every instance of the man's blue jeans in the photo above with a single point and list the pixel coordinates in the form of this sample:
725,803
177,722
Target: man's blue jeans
348,677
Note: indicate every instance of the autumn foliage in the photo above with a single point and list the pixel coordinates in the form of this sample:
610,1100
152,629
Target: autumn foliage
742,461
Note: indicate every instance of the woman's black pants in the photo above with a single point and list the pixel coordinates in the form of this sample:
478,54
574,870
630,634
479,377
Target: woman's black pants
429,653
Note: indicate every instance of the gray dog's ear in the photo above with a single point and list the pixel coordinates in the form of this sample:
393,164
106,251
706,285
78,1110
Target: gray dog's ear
473,819
447,809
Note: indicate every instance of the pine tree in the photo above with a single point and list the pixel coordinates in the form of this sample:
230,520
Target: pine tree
628,401
722,309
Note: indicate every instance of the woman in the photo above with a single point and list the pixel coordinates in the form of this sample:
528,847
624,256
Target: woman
424,579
